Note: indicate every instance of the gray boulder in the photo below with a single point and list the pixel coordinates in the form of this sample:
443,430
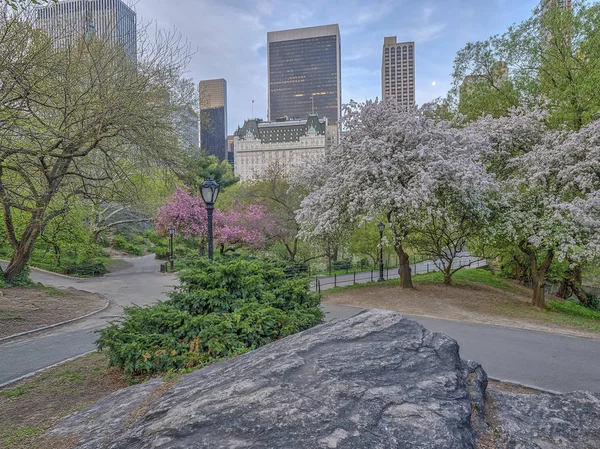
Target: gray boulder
547,421
376,380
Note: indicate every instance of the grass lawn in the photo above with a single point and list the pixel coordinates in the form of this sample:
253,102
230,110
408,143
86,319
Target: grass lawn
31,407
477,296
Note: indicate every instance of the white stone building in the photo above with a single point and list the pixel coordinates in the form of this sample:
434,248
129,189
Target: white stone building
287,143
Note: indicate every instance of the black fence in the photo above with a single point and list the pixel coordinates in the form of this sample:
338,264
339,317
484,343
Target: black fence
343,280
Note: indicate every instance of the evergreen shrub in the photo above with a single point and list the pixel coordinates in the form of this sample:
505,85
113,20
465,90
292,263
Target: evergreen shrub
221,309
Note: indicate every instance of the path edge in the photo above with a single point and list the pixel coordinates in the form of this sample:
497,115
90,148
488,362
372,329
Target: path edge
62,323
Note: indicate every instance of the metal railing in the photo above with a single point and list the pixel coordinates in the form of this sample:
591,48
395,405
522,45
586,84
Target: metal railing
343,280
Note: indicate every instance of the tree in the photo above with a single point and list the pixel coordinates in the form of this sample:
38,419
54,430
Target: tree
569,163
246,226
388,164
77,118
14,4
542,212
550,60
455,222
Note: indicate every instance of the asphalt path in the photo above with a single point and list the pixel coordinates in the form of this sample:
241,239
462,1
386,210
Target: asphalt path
539,359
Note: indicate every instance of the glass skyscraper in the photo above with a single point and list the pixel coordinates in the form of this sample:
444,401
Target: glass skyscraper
213,117
111,20
304,71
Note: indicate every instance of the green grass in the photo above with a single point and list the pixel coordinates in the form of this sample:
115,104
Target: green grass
16,392
573,309
466,277
12,434
72,376
463,278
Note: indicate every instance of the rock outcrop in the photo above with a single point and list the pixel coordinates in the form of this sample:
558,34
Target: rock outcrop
376,380
547,421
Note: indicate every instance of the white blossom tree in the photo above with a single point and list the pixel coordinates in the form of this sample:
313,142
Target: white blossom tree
389,163
548,197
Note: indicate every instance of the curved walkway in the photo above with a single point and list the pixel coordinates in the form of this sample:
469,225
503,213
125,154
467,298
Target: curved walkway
139,285
539,359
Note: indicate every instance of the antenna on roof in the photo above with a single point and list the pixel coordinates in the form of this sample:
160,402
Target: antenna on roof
312,102
252,108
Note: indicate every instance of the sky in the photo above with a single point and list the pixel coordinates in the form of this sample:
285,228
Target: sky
229,39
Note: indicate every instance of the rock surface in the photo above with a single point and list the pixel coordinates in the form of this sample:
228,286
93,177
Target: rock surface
376,380
547,421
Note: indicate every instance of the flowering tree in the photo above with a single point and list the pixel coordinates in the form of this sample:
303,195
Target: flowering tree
569,164
389,163
549,190
243,226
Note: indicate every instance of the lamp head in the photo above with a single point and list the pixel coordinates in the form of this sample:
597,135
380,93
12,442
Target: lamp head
209,191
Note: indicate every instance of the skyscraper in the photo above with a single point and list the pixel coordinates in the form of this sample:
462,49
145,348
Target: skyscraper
304,73
213,117
67,21
398,71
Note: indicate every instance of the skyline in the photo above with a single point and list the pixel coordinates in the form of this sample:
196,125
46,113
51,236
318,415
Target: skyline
231,40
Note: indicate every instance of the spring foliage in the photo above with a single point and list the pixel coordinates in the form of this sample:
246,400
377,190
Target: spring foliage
220,310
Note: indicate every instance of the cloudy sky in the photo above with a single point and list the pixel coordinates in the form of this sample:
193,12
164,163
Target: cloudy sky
230,38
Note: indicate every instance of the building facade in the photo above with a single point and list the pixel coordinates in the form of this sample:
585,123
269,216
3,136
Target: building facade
213,117
398,72
287,143
68,21
304,73
230,153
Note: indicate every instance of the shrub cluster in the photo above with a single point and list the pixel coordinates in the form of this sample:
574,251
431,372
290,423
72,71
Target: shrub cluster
220,310
574,309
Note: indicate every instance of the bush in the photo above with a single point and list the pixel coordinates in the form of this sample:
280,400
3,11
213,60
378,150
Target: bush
220,310
22,279
132,245
342,265
86,268
572,308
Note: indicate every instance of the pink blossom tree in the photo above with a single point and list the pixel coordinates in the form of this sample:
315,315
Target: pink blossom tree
243,226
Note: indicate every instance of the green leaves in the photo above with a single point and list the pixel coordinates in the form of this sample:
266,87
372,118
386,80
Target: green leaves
221,309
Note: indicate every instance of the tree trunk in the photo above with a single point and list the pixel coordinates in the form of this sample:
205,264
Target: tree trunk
21,255
404,269
448,275
538,275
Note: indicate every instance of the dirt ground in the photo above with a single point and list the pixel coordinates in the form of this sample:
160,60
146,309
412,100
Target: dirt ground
23,309
475,303
32,406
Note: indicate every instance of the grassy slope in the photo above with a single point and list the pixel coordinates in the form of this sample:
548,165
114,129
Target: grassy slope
560,313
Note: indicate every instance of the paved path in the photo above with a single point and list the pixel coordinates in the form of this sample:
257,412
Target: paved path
538,359
139,284
545,360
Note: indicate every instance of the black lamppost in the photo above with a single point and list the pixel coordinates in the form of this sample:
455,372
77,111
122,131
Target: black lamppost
171,234
210,191
381,228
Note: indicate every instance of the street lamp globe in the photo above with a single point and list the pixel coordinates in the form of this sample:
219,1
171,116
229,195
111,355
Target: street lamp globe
209,191
381,227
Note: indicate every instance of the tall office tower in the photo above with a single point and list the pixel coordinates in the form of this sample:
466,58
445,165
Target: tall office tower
398,71
213,117
304,72
67,21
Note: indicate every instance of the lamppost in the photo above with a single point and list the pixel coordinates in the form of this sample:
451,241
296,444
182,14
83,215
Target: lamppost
171,234
381,228
210,191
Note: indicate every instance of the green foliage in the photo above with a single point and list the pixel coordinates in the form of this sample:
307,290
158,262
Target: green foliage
130,245
221,309
22,279
572,308
94,267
